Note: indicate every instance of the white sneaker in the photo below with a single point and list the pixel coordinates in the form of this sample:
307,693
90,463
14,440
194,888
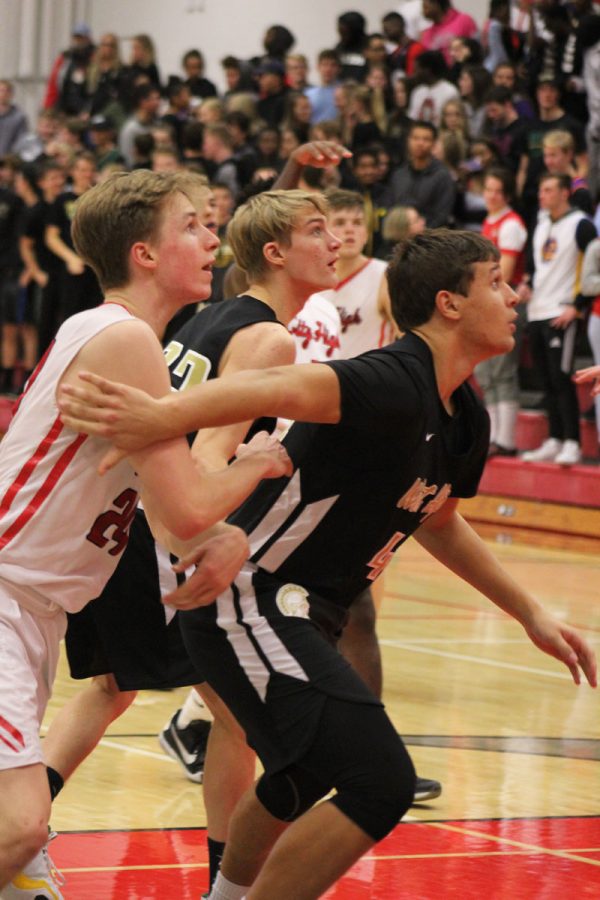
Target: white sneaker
548,451
570,454
39,880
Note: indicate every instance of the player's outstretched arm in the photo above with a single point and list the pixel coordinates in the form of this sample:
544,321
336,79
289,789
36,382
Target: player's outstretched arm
131,419
319,154
592,373
186,500
453,542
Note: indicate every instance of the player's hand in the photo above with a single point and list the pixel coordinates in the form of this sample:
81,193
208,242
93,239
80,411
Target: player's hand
565,644
523,292
267,445
320,154
568,315
129,418
217,561
592,373
75,265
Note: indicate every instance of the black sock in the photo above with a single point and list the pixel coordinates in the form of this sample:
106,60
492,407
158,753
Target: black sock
55,781
215,855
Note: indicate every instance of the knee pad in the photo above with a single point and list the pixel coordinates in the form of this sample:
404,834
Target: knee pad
377,797
289,793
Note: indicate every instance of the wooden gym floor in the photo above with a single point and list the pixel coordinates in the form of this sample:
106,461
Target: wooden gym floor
514,742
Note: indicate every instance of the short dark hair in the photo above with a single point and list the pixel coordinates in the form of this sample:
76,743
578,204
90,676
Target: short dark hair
433,61
506,179
192,135
192,54
175,87
498,94
564,181
239,119
142,92
339,198
365,151
328,54
231,62
428,126
436,260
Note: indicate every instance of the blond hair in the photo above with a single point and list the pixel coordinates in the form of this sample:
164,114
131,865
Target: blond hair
266,217
559,140
396,225
113,215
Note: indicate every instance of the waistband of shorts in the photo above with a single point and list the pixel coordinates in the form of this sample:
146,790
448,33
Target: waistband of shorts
35,603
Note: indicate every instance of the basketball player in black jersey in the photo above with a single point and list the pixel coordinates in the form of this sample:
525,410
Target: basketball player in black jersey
401,438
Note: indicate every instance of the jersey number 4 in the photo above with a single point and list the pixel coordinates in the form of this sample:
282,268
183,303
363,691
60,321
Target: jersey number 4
115,523
384,556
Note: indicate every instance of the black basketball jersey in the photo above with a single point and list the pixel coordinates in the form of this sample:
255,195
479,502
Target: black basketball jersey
362,486
194,353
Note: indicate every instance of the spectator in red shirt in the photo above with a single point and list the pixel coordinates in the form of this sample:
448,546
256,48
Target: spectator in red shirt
448,24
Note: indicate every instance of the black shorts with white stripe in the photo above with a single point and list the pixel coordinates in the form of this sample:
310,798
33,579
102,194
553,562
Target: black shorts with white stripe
272,665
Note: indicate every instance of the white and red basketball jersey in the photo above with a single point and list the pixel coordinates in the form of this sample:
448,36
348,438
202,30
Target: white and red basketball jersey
62,527
316,330
355,299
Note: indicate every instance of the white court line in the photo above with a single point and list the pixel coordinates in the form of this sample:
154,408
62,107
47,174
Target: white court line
398,645
115,745
479,641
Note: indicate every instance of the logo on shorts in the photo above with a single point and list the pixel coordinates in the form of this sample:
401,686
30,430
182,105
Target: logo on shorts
292,600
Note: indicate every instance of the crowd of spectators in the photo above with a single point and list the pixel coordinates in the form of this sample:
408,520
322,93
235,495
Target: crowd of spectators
429,105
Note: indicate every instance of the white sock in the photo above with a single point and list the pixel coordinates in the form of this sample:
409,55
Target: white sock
508,410
223,889
193,709
492,409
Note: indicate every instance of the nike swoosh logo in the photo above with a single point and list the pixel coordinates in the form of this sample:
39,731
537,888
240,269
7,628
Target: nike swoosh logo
187,757
429,435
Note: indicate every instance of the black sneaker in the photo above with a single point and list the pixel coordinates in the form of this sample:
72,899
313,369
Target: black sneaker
426,789
187,745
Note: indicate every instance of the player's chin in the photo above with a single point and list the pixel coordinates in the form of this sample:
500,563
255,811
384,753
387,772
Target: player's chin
506,345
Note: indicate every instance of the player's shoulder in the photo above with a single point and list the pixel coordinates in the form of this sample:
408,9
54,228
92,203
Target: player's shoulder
262,344
121,337
402,365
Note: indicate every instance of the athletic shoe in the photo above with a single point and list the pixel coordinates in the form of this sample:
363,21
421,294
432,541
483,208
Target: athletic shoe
570,454
187,745
426,789
39,880
499,450
547,452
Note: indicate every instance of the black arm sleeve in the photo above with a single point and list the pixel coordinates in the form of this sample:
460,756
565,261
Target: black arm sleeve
585,233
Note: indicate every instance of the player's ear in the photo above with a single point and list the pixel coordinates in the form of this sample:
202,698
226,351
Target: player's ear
448,304
142,254
272,253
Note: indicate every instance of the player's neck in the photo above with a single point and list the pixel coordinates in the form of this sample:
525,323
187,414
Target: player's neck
451,363
143,305
285,302
346,267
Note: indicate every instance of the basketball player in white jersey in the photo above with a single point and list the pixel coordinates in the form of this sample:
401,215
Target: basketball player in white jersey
361,295
249,330
62,528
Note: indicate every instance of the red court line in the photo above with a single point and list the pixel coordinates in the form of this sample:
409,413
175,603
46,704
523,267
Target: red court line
420,861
